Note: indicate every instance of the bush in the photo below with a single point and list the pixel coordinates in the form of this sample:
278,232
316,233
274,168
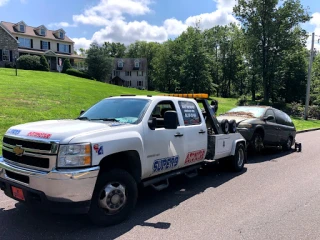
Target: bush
28,62
66,65
76,73
295,109
242,101
314,112
44,64
8,65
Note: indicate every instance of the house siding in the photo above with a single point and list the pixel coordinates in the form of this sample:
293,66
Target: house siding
7,43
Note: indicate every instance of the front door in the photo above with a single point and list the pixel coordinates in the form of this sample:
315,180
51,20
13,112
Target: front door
271,135
164,148
195,132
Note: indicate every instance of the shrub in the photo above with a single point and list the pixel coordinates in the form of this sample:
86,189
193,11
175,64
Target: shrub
76,73
242,101
66,65
314,112
8,65
28,62
44,64
295,109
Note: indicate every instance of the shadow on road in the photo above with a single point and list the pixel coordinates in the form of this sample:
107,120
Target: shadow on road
268,154
25,223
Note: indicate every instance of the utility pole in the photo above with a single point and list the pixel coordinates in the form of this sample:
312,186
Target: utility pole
309,79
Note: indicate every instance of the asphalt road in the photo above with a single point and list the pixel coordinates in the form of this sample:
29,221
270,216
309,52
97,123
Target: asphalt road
277,196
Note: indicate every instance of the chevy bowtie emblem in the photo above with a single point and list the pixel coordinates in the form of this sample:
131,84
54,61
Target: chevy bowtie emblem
18,150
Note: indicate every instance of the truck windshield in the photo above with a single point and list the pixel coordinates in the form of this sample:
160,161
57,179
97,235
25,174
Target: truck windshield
124,110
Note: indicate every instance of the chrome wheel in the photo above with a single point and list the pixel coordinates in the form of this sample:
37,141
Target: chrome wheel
113,198
289,143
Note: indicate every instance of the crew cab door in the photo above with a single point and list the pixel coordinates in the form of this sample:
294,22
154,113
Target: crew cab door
271,135
195,133
164,148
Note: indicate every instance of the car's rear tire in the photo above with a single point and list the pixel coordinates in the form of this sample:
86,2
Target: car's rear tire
287,146
257,142
239,158
114,198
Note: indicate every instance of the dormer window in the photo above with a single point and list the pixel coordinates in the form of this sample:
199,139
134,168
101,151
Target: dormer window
22,28
42,32
120,64
61,35
137,63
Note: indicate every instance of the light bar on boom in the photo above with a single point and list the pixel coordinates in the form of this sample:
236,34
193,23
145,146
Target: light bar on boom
187,95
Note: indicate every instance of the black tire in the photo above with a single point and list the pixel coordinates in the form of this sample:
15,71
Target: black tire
239,158
225,126
232,126
257,142
287,146
101,216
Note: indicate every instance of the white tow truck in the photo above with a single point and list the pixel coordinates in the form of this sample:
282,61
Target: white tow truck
94,164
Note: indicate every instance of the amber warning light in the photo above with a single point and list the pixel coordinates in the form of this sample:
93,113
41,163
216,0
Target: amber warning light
187,95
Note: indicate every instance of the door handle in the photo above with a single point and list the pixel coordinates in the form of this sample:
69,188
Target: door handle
202,131
178,134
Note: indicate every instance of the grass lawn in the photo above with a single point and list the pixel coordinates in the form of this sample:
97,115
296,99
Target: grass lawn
34,96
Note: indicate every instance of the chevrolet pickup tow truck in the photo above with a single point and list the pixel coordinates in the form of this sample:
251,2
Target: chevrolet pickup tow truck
94,164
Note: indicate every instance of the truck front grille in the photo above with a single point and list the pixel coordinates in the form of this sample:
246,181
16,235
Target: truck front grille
30,153
26,160
27,144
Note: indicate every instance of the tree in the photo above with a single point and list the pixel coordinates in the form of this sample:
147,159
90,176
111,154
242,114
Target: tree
269,29
44,63
194,71
66,65
114,50
99,63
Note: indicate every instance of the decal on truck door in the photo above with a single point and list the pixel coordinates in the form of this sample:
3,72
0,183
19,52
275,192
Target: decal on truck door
165,163
195,156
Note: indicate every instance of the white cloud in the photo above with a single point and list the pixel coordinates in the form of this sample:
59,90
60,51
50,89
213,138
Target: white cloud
81,43
3,2
111,16
315,21
61,25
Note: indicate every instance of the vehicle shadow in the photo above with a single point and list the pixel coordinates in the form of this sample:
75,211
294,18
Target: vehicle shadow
22,222
268,154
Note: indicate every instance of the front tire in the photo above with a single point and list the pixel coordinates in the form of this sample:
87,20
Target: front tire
287,146
257,142
114,198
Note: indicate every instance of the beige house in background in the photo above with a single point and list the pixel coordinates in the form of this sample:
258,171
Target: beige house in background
130,72
53,44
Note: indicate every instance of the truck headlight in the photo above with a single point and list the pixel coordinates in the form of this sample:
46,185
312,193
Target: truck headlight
74,155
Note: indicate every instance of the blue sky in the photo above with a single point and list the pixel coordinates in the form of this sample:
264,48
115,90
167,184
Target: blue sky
127,20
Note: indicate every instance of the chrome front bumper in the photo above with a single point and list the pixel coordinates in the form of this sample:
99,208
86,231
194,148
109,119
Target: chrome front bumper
74,185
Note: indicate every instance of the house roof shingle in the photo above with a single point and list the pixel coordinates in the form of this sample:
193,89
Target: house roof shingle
30,31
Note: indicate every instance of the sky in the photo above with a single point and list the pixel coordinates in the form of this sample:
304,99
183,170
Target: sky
129,20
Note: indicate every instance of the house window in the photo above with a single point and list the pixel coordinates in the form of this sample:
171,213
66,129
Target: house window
42,31
117,73
21,28
130,83
5,55
120,64
128,73
140,83
136,63
140,73
24,42
45,45
63,48
61,35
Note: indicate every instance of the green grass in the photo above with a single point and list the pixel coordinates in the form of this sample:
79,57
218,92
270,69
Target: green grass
34,96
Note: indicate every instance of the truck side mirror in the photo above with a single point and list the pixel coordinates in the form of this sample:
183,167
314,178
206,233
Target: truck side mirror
170,120
82,112
152,123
